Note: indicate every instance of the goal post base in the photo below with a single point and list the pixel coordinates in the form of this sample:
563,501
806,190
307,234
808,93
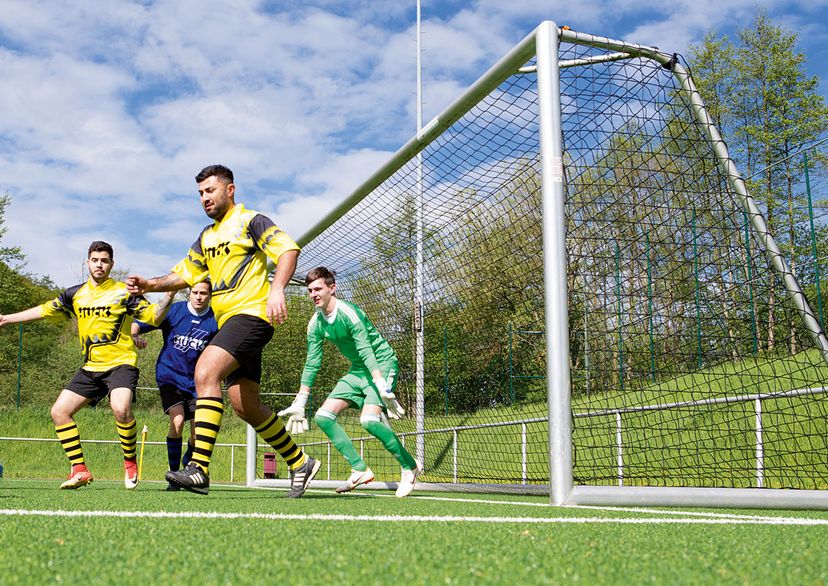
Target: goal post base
735,498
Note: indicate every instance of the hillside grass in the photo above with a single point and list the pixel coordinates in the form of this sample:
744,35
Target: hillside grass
710,445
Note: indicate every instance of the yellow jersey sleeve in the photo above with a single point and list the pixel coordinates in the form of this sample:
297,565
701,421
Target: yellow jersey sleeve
60,308
269,238
193,269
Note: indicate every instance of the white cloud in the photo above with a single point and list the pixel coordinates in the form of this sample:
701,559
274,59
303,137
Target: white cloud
110,109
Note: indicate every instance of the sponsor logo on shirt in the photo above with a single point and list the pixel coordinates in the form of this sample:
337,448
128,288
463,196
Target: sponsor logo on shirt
96,311
219,249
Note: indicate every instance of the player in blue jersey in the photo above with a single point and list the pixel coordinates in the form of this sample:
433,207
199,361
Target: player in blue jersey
187,329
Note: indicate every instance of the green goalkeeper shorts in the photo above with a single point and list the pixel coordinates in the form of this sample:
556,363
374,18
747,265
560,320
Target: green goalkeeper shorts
358,388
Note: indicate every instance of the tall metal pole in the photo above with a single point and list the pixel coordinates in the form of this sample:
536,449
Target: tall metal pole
554,265
418,294
19,363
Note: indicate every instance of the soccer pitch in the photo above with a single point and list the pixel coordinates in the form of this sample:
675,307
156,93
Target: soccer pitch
235,535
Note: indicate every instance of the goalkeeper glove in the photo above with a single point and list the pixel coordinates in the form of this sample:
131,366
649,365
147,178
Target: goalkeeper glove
296,423
395,410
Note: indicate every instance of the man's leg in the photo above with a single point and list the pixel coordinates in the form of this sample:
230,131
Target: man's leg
213,366
246,401
120,399
188,454
64,408
176,414
372,421
325,418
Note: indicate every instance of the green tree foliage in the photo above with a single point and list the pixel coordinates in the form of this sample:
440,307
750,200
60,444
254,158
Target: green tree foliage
761,97
30,345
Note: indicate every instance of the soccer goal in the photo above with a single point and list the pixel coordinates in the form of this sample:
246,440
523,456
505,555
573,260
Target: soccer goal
585,299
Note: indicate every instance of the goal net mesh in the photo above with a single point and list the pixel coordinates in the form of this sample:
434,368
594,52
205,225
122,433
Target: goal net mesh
689,365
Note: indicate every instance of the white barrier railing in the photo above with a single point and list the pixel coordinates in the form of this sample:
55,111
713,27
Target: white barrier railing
617,413
118,443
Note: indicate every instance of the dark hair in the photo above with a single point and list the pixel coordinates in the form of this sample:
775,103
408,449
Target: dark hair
219,171
321,273
100,246
206,282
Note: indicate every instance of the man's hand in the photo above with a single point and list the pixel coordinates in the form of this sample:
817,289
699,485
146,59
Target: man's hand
395,410
276,306
139,342
136,285
297,422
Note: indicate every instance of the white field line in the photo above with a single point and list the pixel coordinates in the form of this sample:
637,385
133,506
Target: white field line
702,514
190,515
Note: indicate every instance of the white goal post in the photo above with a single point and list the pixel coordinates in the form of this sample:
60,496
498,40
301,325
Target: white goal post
670,356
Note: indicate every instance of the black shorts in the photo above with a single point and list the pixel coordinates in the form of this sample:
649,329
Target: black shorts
172,396
244,337
97,385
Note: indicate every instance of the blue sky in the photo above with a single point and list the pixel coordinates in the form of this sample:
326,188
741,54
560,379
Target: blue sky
109,109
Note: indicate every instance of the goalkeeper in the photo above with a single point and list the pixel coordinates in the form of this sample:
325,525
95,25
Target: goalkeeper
369,384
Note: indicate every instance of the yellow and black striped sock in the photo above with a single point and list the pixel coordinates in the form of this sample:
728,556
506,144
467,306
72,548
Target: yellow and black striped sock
273,432
208,415
70,440
128,434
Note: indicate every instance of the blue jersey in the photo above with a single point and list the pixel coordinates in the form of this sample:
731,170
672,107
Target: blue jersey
186,334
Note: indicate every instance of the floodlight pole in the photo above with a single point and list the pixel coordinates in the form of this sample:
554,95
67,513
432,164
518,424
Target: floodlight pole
419,312
554,264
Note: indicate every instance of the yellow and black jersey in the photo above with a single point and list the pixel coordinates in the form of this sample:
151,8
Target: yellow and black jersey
104,313
233,253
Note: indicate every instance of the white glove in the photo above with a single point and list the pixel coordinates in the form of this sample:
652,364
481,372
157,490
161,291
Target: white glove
297,422
395,410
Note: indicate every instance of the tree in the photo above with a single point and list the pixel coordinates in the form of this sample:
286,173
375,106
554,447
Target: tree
7,254
760,95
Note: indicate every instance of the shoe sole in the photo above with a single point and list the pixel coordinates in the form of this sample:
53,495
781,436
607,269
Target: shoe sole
349,488
194,489
418,470
74,486
311,476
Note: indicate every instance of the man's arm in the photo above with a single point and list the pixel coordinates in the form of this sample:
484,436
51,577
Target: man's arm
163,306
135,334
138,285
31,314
276,303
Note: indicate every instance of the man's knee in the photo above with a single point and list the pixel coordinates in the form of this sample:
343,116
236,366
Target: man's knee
59,415
372,423
324,419
206,379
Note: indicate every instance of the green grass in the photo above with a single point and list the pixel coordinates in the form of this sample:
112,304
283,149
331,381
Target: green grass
448,543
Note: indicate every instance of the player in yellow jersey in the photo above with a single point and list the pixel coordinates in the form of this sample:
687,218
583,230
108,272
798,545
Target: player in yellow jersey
104,310
232,252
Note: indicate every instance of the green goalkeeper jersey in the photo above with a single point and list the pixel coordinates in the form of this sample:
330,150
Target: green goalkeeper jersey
350,330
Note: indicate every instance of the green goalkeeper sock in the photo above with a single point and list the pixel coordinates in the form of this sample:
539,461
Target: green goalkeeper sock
327,423
374,425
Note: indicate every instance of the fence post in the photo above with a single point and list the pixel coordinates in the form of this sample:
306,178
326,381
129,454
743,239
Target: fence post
524,463
511,383
445,368
698,299
650,309
619,311
760,446
454,456
749,276
813,239
19,362
619,446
